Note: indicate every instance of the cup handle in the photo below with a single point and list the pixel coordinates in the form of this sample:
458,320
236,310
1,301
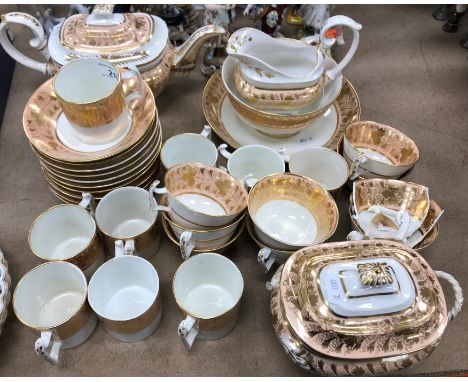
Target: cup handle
154,206
285,157
124,249
355,236
88,202
354,168
206,132
457,305
47,348
137,93
186,244
223,151
188,331
266,258
273,283
250,181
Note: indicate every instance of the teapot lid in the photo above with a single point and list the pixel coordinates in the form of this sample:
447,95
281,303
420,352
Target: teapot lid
346,299
105,34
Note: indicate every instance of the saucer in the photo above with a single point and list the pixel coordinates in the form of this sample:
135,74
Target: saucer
234,131
66,135
43,110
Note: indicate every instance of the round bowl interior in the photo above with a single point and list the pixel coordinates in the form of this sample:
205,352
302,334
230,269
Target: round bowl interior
125,212
293,210
382,143
322,165
50,294
188,148
208,285
196,181
61,232
123,288
257,160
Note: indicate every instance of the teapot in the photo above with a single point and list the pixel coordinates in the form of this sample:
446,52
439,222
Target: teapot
270,63
128,39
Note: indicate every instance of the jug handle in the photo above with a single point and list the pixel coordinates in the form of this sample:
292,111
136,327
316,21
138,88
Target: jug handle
328,42
39,40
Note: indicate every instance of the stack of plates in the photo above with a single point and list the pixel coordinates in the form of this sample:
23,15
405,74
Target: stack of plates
73,167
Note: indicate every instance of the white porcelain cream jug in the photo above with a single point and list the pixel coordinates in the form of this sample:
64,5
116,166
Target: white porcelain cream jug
270,63
124,39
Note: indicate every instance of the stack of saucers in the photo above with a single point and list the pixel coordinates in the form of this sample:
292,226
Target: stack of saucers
207,207
289,212
72,166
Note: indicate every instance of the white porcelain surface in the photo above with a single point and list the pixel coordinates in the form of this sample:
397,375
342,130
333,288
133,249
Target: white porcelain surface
281,224
254,162
196,208
208,285
123,288
50,294
86,81
346,296
374,164
125,212
62,232
322,165
188,148
96,139
331,90
294,64
206,234
201,203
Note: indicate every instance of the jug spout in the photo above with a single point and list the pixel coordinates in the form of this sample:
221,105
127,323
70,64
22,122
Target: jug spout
186,54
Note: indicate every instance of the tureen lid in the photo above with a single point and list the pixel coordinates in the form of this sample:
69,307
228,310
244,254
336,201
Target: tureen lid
106,33
367,287
362,299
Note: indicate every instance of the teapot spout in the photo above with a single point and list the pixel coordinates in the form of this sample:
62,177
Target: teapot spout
187,53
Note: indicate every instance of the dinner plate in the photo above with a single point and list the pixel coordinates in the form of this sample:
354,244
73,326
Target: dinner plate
326,132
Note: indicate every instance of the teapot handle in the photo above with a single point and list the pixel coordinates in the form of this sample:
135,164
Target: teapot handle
328,42
39,40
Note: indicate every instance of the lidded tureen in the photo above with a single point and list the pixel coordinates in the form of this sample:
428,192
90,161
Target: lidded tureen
363,307
127,39
283,73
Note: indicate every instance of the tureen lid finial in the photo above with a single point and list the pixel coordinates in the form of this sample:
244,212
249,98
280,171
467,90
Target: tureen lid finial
374,274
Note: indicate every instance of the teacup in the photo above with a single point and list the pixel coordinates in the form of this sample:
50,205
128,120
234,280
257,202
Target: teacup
377,150
291,211
322,165
203,195
266,256
130,214
189,148
250,163
92,98
124,293
208,290
205,239
67,232
51,300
